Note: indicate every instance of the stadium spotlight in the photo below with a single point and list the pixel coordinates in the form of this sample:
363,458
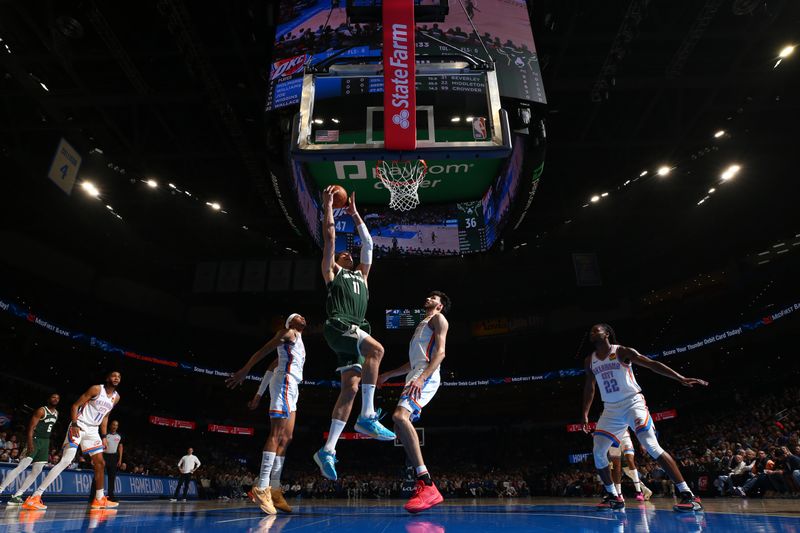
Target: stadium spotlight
171,185
152,183
455,119
712,190
730,172
664,170
604,194
786,51
214,205
90,189
643,173
719,134
594,199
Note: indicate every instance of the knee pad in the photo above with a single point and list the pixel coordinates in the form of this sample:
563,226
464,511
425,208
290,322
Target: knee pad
601,446
648,439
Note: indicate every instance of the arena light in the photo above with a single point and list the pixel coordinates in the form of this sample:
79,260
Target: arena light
171,185
663,171
643,173
90,189
214,205
469,119
594,199
455,119
712,190
152,183
719,134
109,208
626,183
335,120
41,83
702,201
604,194
730,172
318,121
786,51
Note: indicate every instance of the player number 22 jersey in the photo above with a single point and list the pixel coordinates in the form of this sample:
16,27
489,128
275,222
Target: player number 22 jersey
614,377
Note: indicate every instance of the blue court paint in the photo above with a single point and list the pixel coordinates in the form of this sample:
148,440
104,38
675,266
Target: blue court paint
385,518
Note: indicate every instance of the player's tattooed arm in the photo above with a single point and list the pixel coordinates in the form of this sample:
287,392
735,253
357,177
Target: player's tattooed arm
328,236
629,354
588,392
239,376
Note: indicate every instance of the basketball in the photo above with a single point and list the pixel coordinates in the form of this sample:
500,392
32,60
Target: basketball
339,196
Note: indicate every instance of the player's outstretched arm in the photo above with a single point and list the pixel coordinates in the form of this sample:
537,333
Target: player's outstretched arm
588,392
328,236
658,367
253,403
37,415
399,371
239,376
365,263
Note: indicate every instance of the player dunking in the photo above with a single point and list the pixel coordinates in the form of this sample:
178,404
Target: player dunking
426,352
37,449
625,449
610,365
283,389
87,429
348,334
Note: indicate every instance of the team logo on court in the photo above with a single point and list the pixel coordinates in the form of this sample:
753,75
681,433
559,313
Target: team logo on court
401,119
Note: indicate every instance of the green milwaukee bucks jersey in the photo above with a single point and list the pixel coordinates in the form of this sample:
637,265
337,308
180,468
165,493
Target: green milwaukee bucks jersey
348,296
45,425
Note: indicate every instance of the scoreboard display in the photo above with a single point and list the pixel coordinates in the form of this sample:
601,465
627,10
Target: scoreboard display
403,318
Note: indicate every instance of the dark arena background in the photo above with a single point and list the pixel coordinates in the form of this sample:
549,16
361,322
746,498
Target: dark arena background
629,162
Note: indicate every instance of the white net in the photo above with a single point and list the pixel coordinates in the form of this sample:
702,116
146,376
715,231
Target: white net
402,178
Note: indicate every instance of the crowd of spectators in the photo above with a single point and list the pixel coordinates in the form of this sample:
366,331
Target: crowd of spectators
751,450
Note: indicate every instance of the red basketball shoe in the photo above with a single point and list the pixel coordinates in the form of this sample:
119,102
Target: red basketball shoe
424,497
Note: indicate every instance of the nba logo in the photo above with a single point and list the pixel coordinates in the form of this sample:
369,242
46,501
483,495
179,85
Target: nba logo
479,128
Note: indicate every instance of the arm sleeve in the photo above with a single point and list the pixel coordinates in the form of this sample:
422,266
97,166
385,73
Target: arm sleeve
366,244
264,383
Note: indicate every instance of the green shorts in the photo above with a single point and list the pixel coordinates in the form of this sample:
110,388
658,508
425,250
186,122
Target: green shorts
40,452
345,338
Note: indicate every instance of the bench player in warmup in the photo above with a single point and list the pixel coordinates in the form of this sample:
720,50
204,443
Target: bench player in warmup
426,351
347,331
283,389
87,430
610,366
37,449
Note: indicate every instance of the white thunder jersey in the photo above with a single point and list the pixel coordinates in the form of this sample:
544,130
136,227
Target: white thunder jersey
292,357
422,346
614,377
92,412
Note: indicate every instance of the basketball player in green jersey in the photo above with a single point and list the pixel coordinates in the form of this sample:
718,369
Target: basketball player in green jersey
37,449
348,334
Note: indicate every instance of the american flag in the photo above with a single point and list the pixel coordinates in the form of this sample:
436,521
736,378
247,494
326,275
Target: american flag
326,136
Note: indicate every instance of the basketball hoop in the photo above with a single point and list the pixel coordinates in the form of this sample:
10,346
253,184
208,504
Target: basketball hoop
402,178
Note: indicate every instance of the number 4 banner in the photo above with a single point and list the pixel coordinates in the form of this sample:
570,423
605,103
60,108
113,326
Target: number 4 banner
65,166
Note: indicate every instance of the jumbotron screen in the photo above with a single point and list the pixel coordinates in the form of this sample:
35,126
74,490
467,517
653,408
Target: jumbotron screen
403,318
313,30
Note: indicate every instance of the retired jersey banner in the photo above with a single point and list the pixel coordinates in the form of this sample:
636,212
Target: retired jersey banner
399,76
231,430
172,423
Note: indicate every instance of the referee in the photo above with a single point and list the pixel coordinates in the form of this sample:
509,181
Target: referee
113,457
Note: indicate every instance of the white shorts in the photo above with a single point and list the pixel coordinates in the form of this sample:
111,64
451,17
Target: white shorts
88,440
415,405
283,394
625,446
617,417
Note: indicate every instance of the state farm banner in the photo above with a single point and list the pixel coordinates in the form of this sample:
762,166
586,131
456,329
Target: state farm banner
231,430
172,422
661,415
399,76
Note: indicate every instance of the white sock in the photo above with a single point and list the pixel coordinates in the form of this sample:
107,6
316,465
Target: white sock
11,476
35,471
98,494
367,396
337,426
618,486
421,469
683,487
634,475
275,474
267,460
66,459
611,489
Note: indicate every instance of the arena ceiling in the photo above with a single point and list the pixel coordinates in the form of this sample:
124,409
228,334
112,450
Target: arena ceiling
174,91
